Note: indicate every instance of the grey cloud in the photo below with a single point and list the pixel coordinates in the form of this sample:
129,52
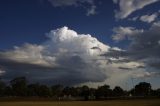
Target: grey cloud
70,71
147,43
155,65
96,48
141,67
147,75
124,68
121,33
144,47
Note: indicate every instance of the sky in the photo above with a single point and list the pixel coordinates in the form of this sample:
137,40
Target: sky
77,42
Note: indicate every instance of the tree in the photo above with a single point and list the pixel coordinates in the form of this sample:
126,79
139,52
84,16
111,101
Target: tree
74,92
2,88
44,91
85,92
158,92
70,91
33,89
103,91
19,86
142,89
118,91
38,90
8,91
92,93
57,90
67,91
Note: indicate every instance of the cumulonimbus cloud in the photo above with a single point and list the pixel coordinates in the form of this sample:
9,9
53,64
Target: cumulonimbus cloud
67,58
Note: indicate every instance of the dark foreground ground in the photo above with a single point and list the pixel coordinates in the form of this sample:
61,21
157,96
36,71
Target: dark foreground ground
153,102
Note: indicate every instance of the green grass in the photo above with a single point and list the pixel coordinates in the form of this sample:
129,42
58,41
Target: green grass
155,102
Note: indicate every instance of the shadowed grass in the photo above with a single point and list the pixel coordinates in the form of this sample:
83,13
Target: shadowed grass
155,102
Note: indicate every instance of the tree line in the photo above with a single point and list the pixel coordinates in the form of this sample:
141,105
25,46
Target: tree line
18,87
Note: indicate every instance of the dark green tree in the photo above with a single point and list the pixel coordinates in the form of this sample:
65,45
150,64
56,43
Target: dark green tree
57,90
158,92
8,91
92,93
2,88
85,92
142,89
103,91
44,91
33,89
67,91
70,91
19,86
118,91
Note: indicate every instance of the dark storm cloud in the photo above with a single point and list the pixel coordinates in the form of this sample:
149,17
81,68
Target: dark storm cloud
147,44
71,70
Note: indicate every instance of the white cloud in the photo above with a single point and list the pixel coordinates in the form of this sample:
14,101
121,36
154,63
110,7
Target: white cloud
156,24
2,72
66,39
91,10
149,18
127,7
133,19
28,53
121,33
146,18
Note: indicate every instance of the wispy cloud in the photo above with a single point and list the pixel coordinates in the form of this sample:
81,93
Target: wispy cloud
2,72
91,10
149,18
127,7
121,33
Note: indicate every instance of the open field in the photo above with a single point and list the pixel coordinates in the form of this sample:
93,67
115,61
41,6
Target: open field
155,102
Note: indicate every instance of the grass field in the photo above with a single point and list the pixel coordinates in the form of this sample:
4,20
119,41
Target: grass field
85,103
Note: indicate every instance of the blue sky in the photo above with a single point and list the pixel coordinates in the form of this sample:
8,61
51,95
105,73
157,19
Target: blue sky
29,20
117,24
